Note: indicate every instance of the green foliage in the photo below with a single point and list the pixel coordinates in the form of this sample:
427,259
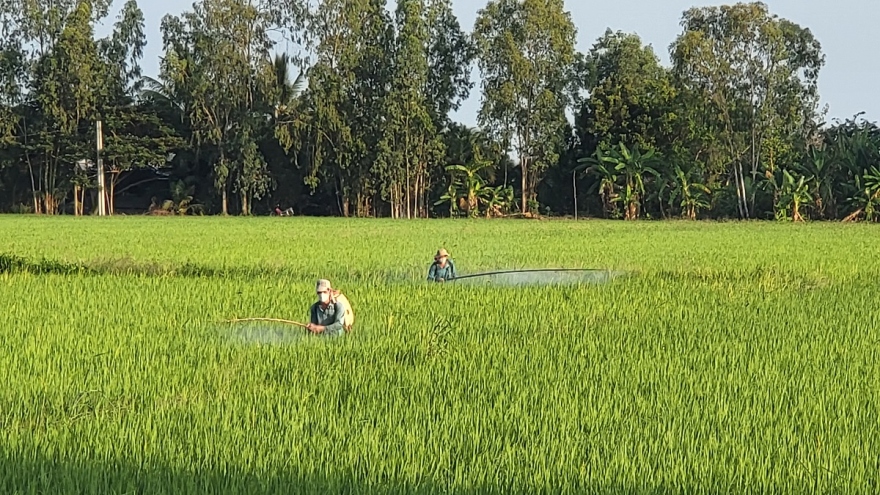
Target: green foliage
755,77
348,85
630,95
220,53
528,59
353,117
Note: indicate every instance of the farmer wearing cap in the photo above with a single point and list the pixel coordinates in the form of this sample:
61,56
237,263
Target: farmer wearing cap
442,269
326,315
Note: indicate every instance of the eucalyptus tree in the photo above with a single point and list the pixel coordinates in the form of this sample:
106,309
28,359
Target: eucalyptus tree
219,56
527,58
134,135
754,76
350,42
52,84
431,57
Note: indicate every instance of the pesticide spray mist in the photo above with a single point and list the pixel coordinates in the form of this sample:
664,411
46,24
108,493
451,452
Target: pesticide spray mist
263,333
541,277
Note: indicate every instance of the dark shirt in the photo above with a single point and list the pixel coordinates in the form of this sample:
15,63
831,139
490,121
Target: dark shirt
436,272
329,317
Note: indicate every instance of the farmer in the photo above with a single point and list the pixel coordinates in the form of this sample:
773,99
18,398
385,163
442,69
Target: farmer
442,269
327,314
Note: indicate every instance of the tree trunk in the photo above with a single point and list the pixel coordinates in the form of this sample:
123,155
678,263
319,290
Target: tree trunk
745,199
524,167
408,191
225,201
244,204
533,188
392,199
114,176
50,204
398,200
739,192
36,195
420,179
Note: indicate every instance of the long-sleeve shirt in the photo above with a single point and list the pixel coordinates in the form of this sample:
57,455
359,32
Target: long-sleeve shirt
436,272
329,317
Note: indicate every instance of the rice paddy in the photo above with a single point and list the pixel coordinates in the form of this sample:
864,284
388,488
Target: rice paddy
725,358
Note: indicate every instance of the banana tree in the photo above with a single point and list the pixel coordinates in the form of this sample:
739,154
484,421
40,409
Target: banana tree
451,197
469,183
820,166
181,202
498,200
634,165
692,193
606,186
868,197
774,182
795,194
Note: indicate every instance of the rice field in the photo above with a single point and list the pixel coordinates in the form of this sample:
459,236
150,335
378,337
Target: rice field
728,358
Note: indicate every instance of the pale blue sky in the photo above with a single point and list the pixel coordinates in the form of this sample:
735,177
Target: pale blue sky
844,27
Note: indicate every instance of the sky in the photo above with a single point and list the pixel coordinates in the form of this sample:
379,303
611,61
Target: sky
845,29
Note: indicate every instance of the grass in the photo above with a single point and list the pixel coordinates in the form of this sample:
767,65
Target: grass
735,358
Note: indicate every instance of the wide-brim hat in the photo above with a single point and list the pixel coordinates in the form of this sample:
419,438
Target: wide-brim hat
322,285
440,254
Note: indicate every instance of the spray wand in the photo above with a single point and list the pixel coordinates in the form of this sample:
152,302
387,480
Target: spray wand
275,320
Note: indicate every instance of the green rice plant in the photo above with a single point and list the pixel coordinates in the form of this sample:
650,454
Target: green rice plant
733,358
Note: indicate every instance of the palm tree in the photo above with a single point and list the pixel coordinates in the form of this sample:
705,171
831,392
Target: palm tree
287,93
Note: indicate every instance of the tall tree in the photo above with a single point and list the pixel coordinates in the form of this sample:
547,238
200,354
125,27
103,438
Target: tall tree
527,58
630,95
430,61
756,77
220,52
49,65
450,54
67,84
134,136
348,84
411,141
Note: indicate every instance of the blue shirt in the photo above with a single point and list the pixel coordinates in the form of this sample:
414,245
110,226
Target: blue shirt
329,317
436,272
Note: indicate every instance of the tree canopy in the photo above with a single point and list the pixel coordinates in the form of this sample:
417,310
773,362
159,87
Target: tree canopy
344,107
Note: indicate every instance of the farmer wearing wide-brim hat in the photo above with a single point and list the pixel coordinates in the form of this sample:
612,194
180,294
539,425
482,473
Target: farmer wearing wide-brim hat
442,269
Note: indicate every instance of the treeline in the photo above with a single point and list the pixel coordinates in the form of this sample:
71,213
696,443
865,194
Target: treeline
342,107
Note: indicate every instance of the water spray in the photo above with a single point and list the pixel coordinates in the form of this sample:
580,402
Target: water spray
542,276
273,320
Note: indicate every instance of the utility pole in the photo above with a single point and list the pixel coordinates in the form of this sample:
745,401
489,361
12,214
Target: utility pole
102,198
